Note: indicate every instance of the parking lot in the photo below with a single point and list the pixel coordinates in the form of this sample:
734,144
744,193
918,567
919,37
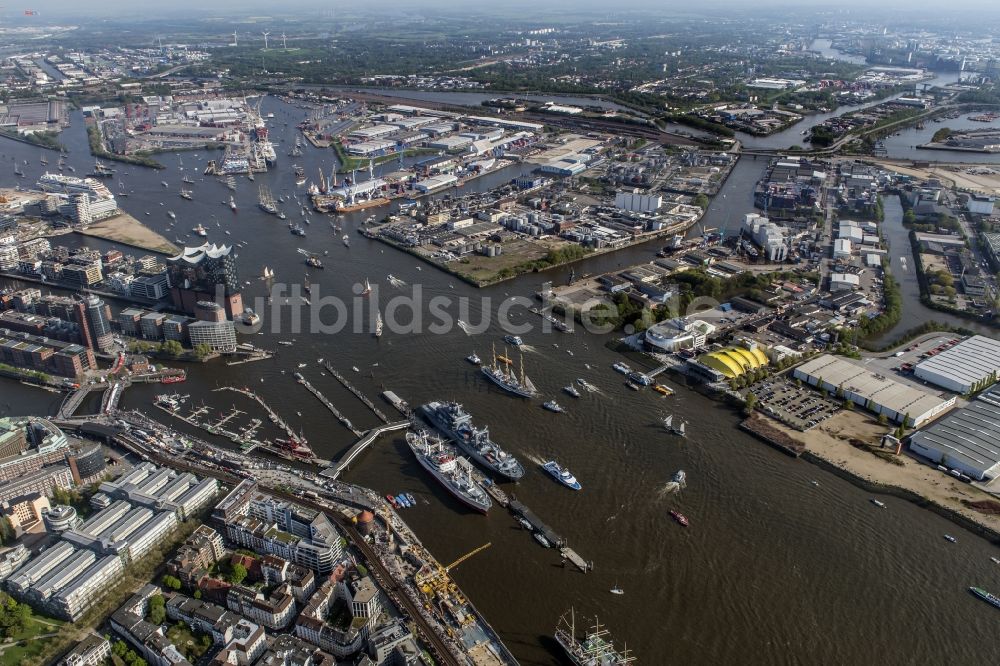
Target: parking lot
799,407
900,367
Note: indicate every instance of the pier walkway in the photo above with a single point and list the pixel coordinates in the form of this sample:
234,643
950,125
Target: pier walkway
358,394
329,405
360,445
273,415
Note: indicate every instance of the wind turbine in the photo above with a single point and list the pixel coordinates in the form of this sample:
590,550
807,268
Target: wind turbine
236,39
283,47
265,39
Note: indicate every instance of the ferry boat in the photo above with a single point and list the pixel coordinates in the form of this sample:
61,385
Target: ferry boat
378,325
232,204
553,406
542,540
988,597
570,389
621,367
950,538
680,518
514,340
877,503
453,472
561,474
173,379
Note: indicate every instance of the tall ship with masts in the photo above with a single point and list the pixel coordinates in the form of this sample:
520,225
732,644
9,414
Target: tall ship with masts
594,649
266,200
503,375
456,423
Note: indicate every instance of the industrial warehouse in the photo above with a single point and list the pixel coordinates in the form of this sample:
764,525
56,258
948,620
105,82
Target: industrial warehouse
969,365
967,440
876,393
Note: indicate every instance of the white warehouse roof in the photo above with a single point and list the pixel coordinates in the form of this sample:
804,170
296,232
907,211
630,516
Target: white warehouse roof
961,367
967,440
886,396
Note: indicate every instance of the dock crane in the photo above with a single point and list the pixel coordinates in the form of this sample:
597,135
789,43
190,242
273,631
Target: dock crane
463,558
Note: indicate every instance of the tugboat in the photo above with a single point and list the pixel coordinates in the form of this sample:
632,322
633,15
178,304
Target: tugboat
561,474
474,359
570,389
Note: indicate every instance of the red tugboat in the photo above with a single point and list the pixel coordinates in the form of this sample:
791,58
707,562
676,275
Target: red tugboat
679,517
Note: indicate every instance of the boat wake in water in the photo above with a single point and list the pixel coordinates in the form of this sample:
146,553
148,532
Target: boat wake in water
669,488
464,326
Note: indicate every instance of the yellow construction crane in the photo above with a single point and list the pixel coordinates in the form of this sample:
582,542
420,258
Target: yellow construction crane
467,556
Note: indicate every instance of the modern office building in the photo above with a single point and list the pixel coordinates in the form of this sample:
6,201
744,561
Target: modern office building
290,531
205,273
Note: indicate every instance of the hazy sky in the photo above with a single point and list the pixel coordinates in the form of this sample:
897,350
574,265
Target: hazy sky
52,9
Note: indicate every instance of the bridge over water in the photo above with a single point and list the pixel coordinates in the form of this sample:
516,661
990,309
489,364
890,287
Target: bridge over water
366,439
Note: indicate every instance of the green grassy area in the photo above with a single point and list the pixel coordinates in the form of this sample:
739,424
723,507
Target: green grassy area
191,645
30,642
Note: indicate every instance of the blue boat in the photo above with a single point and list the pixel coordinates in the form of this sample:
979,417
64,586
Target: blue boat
402,501
561,474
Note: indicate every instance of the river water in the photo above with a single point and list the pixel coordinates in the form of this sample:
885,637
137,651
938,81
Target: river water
772,568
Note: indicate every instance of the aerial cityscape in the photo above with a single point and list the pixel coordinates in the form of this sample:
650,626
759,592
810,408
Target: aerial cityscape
550,333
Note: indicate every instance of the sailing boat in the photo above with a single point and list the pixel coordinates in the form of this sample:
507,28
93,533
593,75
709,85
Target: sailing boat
43,160
267,274
368,288
378,325
668,424
506,378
